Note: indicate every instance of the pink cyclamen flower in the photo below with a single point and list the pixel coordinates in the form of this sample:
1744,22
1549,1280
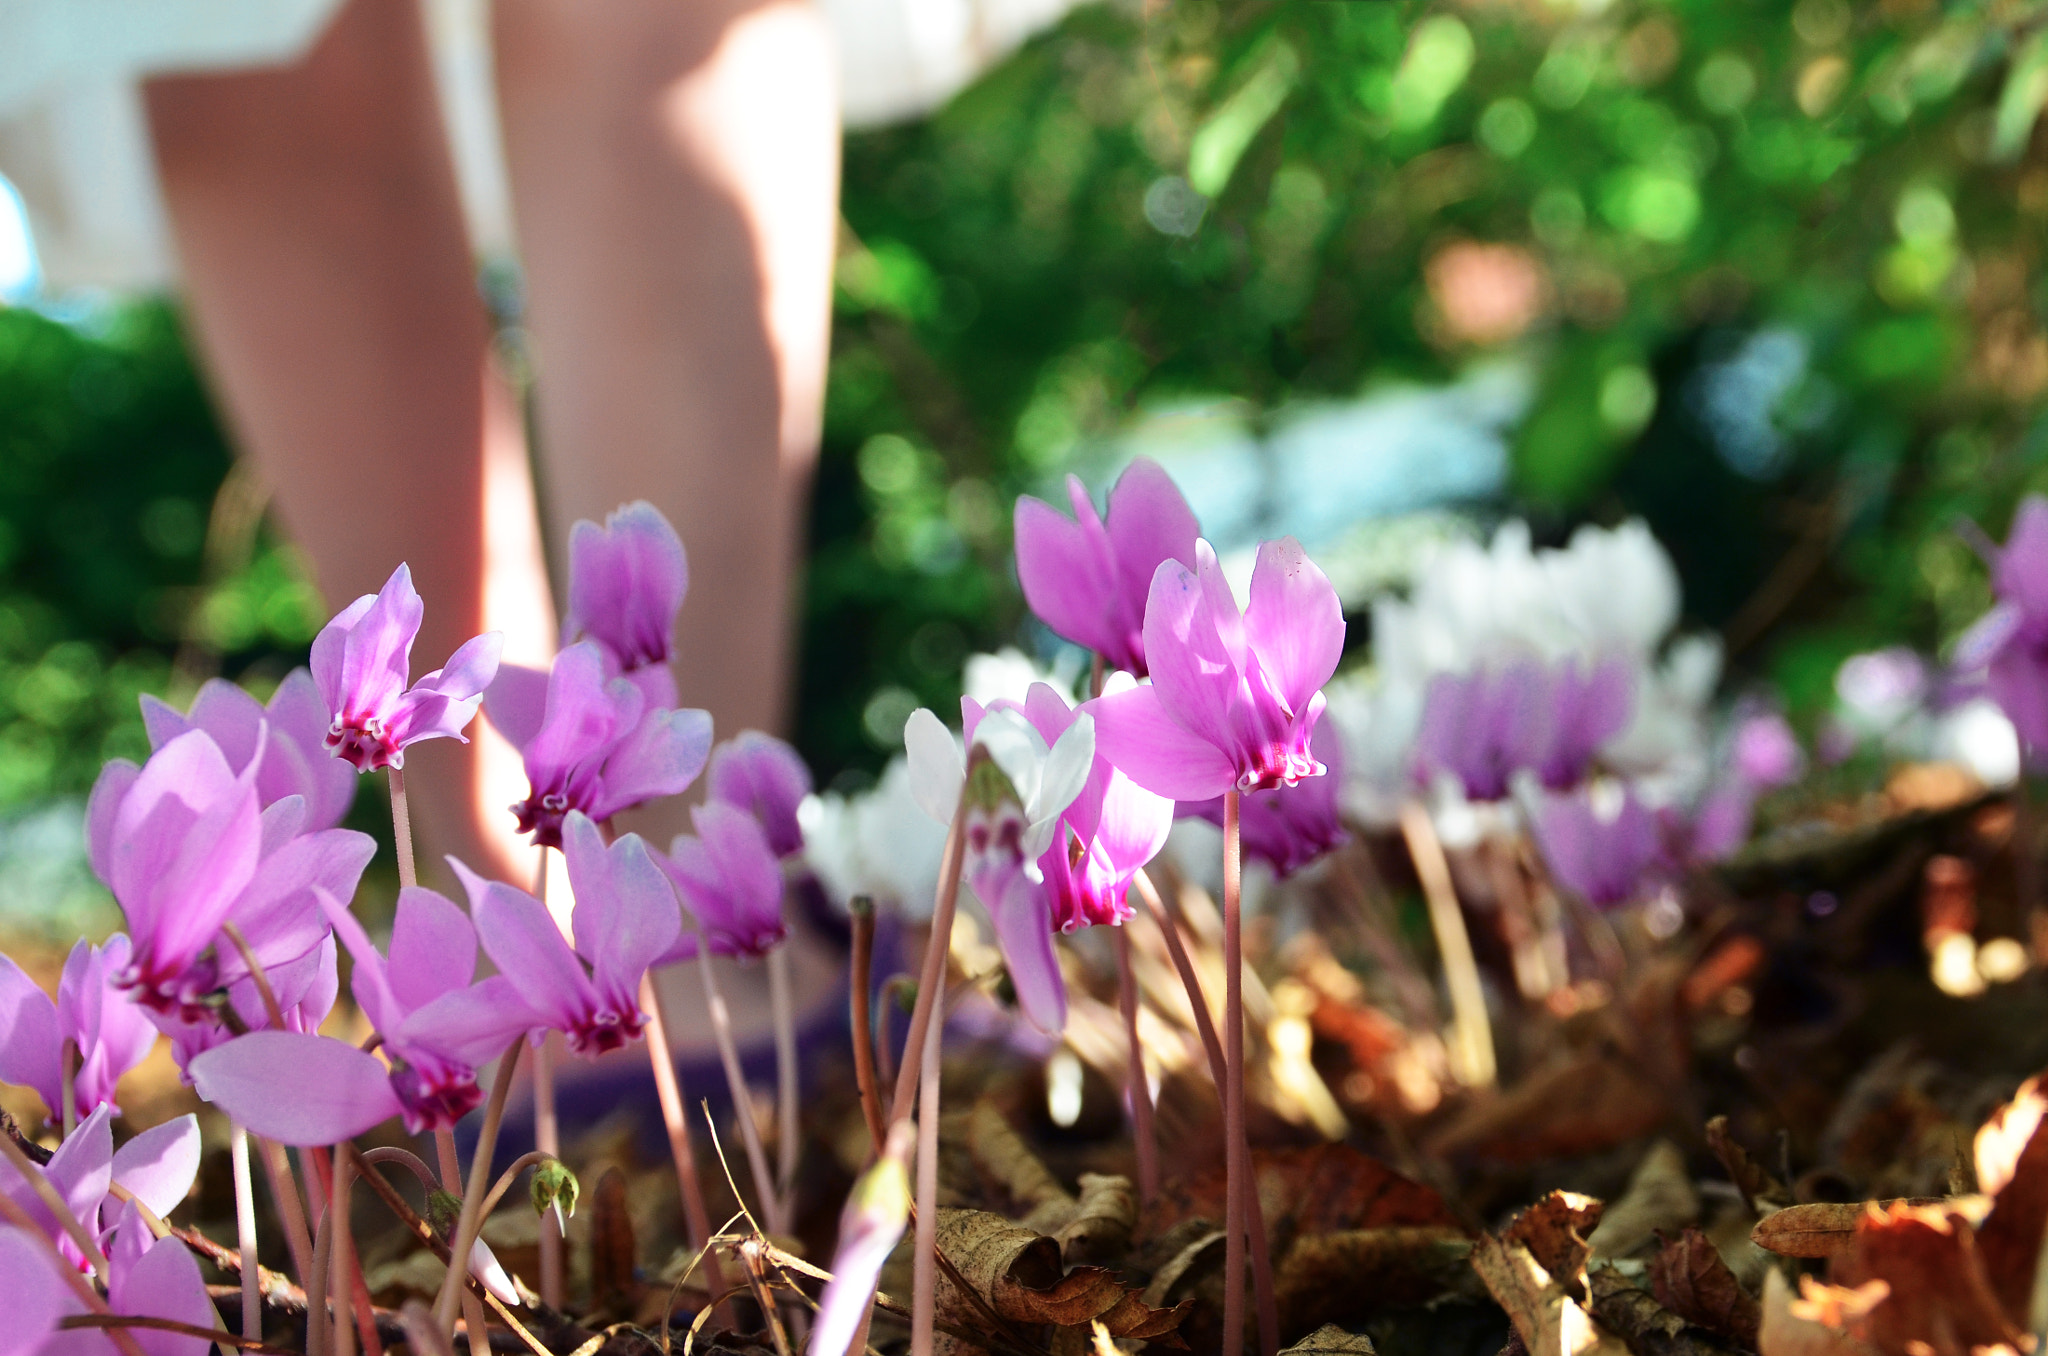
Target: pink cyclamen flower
1763,751
1484,727
768,779
148,1277
870,1225
1112,828
295,757
2011,640
1599,846
362,662
626,584
1287,827
1235,696
590,742
625,920
111,1034
184,848
729,880
305,990
437,1028
1089,579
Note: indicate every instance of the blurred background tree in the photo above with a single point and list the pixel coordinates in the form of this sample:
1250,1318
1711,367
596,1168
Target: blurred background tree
1765,274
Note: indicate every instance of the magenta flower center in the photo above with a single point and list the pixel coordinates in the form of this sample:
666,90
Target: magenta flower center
604,1030
435,1094
361,740
175,991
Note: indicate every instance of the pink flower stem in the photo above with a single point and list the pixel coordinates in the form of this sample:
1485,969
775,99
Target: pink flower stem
742,1100
401,829
445,1304
15,1215
319,1329
547,1127
861,910
343,1261
451,1181
1235,1166
1205,1026
788,1133
284,1190
67,1078
245,1232
924,1305
670,1092
932,979
1137,1088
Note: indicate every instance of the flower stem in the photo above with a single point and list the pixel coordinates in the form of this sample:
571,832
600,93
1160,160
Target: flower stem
531,1159
245,1232
401,829
343,1259
479,1175
924,1306
319,1329
547,1128
788,1133
862,911
742,1101
67,1089
284,1190
668,1089
46,1191
15,1215
932,979
257,975
1235,1167
1471,1050
1137,1087
473,1316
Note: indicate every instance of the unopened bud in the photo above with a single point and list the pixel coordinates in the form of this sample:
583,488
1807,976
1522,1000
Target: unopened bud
555,1188
444,1211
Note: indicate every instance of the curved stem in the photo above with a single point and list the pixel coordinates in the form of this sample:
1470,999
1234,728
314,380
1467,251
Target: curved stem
407,1159
861,910
1235,1167
936,948
446,1302
262,980
742,1101
531,1159
473,1316
924,1281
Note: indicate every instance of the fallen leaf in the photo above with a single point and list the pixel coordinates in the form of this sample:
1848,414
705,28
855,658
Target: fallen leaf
1005,1161
1544,1314
1100,1227
1018,1273
1660,1196
1823,1229
1331,1340
1634,1315
1202,1251
1322,1189
1587,1100
1689,1277
612,1245
1788,1328
1938,1296
2012,1165
1554,1230
1759,1189
2003,1138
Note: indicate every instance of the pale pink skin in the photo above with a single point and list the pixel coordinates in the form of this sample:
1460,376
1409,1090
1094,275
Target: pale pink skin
627,581
1088,579
362,663
112,1034
1235,696
2011,640
1548,719
296,761
590,741
765,777
729,881
626,918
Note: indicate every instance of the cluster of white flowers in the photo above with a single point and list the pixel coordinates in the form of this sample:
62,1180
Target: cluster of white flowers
1611,593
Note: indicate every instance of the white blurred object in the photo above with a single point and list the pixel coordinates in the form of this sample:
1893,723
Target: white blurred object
1009,674
876,842
73,138
1978,736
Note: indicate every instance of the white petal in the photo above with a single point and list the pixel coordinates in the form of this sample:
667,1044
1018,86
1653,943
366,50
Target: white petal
1018,749
936,766
1066,769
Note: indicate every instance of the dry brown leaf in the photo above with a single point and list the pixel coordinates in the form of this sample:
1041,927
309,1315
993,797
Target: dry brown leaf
1689,1277
1634,1315
2012,1165
1001,1156
1323,1189
1939,1300
1100,1227
1331,1340
1586,1101
1201,1253
1343,1276
1759,1189
1544,1314
613,1250
1018,1273
1792,1327
1554,1230
1823,1229
1660,1197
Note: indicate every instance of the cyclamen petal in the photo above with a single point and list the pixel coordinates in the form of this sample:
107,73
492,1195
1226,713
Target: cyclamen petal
766,777
627,581
159,1165
1023,922
728,877
295,757
1136,734
872,1222
661,756
433,948
297,1089
37,1297
30,1040
626,913
520,936
163,1282
937,767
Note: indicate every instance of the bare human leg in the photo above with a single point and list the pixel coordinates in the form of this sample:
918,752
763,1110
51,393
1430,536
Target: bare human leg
674,174
332,294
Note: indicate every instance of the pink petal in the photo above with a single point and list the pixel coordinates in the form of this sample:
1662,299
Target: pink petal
661,757
520,936
1066,570
517,703
159,1165
36,1296
1295,625
626,583
330,649
370,981
109,790
748,869
1023,920
433,947
300,761
1133,731
765,776
277,912
473,1024
626,912
29,1037
586,713
1133,824
1149,523
164,1283
297,1089
1194,674
378,656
